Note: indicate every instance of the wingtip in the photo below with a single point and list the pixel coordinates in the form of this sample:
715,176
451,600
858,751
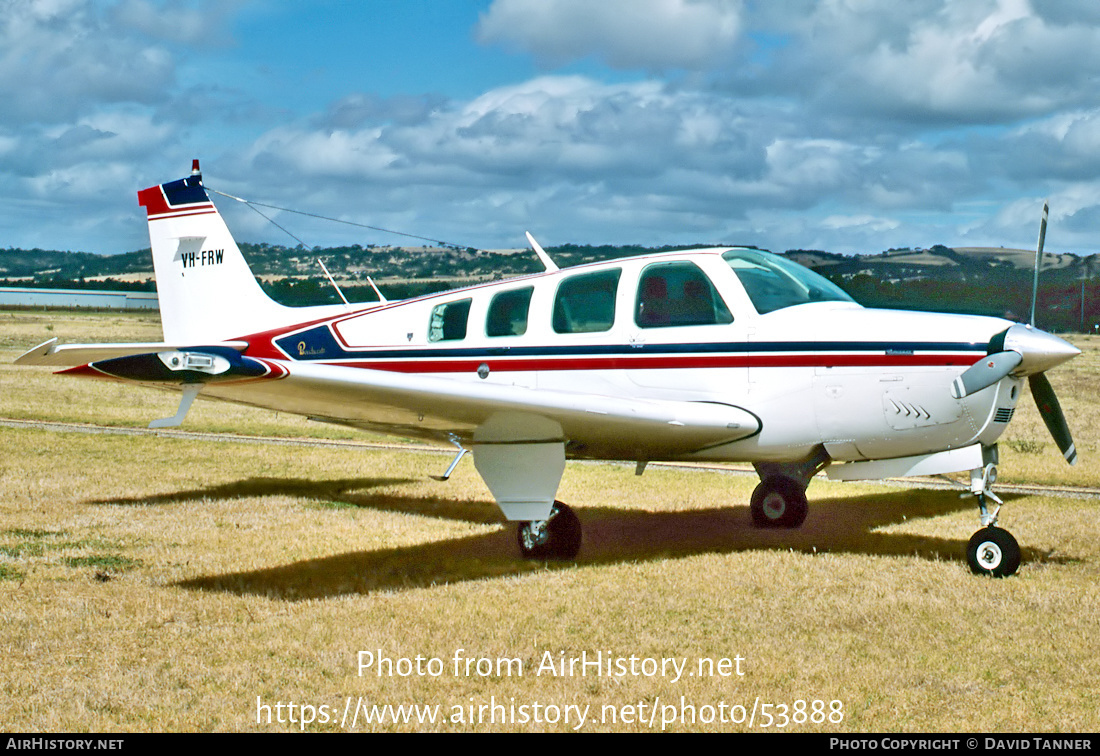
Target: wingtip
33,356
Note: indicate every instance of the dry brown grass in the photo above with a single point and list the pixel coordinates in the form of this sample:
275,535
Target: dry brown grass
152,583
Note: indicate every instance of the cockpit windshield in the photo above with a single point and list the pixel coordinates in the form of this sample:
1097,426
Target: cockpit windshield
773,283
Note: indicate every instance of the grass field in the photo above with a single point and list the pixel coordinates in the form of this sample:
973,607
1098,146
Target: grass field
153,583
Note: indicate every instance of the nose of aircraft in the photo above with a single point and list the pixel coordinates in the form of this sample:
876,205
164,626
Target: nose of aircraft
1020,350
1024,350
1040,350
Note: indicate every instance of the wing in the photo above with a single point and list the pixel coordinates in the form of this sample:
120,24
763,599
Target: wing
443,408
594,425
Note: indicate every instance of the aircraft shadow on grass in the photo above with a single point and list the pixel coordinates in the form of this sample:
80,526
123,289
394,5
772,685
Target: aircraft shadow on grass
338,491
849,525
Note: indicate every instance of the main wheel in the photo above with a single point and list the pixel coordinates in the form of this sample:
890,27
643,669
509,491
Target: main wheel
993,551
778,502
556,537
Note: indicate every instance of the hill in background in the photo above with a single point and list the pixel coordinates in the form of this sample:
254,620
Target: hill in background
978,280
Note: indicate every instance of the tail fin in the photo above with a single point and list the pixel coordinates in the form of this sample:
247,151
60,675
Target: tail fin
207,291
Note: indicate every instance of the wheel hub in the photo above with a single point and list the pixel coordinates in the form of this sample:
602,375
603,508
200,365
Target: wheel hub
774,506
989,555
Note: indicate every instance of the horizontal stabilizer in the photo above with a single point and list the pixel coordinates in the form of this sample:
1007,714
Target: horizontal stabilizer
70,355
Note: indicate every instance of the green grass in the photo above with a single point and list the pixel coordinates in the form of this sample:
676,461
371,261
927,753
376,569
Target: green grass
8,572
103,562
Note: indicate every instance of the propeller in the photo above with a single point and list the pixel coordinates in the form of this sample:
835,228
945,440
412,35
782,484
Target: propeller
1025,350
1031,352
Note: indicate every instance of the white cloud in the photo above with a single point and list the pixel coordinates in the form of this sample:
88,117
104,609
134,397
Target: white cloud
830,123
651,34
975,62
925,60
867,222
60,57
200,24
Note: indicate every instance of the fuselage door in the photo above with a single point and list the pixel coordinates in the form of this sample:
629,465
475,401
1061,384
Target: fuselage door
682,333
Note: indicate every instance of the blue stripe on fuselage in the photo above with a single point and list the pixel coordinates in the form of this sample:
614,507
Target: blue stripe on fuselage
319,344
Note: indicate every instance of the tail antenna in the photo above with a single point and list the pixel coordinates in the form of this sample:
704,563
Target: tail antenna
1039,260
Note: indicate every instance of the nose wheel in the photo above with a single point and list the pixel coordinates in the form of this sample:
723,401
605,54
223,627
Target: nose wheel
556,537
992,551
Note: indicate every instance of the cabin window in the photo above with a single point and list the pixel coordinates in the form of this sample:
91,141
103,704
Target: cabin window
773,282
678,294
448,321
586,303
508,313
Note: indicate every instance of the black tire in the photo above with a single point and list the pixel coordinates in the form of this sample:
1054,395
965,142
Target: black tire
556,537
779,502
994,552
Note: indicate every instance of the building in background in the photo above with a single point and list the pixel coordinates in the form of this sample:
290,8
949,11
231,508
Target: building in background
85,298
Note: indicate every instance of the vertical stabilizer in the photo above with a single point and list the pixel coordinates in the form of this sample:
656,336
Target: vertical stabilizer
206,290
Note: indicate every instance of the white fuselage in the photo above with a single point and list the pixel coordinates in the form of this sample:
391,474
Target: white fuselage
867,384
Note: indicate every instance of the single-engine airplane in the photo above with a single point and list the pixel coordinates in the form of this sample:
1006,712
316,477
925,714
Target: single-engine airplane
726,354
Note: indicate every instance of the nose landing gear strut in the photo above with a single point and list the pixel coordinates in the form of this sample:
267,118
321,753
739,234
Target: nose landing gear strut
992,550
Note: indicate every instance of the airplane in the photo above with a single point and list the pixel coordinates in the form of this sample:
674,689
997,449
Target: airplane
727,354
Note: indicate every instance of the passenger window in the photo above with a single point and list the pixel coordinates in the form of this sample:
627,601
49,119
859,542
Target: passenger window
678,294
448,321
586,303
508,313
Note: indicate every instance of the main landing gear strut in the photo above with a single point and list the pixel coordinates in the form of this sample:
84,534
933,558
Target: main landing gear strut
992,551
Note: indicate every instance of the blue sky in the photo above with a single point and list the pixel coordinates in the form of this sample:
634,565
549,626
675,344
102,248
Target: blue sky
829,124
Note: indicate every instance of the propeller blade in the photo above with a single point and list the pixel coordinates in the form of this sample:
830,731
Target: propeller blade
985,373
1039,260
1052,415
